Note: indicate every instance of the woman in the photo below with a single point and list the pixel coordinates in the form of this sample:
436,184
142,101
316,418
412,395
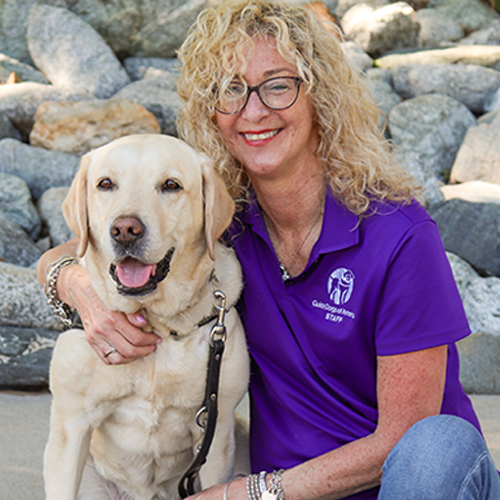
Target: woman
349,303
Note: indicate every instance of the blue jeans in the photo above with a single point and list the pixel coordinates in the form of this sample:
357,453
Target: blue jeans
440,458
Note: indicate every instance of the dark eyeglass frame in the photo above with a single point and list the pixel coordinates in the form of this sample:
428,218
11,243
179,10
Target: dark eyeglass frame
256,89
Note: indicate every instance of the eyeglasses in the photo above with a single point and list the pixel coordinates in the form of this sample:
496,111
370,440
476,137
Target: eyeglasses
275,93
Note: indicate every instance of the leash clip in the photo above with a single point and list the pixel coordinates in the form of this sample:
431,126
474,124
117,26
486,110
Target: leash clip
218,332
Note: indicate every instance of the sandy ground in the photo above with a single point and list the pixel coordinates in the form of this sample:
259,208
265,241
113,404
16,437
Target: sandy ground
24,420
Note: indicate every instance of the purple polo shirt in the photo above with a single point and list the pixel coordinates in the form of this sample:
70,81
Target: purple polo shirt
380,287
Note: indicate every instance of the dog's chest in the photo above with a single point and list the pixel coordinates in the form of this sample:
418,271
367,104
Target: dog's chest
158,412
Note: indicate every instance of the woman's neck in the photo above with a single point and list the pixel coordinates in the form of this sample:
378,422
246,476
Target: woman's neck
293,212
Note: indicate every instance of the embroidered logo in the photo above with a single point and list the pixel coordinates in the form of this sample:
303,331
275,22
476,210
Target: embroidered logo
340,285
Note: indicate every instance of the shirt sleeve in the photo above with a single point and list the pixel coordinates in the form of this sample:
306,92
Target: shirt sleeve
420,306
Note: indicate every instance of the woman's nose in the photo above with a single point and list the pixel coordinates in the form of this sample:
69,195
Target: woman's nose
255,108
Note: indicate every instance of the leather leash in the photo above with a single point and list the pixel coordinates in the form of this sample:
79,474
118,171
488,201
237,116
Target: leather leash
209,410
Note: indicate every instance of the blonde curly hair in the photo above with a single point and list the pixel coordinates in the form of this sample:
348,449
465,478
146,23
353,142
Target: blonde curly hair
358,163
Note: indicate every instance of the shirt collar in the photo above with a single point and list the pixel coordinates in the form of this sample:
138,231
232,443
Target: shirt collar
340,226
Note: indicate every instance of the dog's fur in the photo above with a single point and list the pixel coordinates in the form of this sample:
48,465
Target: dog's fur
130,429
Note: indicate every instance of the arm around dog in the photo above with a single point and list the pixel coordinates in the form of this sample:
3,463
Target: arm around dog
103,328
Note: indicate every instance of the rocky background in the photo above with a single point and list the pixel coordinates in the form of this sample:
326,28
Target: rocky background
76,74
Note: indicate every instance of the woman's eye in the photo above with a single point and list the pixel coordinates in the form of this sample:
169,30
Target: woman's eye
171,185
105,184
235,90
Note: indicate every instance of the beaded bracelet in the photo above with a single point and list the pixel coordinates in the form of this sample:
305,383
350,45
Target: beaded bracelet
257,489
62,310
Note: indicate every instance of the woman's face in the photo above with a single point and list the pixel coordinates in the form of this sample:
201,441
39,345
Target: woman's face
270,143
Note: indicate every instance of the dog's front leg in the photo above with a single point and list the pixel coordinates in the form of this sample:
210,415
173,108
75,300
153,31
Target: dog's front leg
65,455
219,466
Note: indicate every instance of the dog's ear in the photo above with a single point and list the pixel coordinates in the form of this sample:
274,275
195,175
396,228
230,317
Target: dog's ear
75,206
219,206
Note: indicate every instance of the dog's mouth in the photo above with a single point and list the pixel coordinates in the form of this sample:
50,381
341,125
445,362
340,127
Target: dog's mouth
133,277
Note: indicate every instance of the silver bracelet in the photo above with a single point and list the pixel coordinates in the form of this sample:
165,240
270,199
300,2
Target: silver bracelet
62,310
257,488
275,491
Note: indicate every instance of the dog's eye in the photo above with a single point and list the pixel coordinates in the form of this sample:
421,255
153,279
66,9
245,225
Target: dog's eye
105,184
171,185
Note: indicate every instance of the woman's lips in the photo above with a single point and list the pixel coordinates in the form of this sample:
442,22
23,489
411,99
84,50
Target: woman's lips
252,137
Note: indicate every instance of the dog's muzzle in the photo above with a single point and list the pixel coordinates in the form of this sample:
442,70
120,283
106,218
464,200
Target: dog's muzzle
135,278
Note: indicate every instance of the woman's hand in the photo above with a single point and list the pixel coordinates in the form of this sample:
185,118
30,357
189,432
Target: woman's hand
104,329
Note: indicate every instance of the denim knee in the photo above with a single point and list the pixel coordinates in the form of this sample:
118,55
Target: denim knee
440,457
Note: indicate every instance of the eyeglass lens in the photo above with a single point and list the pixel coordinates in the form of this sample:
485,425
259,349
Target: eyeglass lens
275,93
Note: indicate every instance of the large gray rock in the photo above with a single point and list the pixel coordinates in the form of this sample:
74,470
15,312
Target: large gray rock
25,72
357,56
159,96
486,36
23,300
17,205
15,245
479,366
437,29
49,206
434,127
482,55
415,163
479,156
380,29
380,83
147,28
13,26
7,129
469,84
137,67
472,15
471,231
56,36
25,355
41,169
479,297
19,102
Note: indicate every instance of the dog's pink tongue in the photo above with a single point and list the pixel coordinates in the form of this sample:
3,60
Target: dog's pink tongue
134,274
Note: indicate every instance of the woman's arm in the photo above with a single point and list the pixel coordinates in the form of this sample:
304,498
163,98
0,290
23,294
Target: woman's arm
409,388
103,328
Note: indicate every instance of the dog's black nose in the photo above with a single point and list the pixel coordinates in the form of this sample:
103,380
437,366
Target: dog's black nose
127,230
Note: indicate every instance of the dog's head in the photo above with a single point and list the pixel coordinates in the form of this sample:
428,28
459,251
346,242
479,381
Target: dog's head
143,203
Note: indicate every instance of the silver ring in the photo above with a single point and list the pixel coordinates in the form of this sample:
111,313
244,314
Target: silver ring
110,351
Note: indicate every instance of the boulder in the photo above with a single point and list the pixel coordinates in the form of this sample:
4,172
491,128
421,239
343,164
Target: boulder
432,125
159,96
473,191
16,247
471,231
78,127
50,208
481,55
56,36
380,29
19,102
437,29
25,355
41,169
23,301
479,155
16,204
469,84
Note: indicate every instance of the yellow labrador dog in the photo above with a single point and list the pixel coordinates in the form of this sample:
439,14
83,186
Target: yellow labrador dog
148,210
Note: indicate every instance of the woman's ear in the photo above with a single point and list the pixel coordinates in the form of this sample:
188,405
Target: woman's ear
219,206
75,206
